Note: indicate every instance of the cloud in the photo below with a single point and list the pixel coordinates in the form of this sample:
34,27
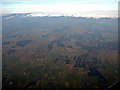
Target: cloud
9,17
64,8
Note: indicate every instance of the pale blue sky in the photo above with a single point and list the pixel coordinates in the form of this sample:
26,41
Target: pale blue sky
62,1
63,7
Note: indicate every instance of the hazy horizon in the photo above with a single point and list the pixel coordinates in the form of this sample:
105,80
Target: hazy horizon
76,8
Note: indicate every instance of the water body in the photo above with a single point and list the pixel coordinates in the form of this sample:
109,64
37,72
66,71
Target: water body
45,35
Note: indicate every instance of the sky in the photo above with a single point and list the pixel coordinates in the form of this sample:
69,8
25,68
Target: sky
77,8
